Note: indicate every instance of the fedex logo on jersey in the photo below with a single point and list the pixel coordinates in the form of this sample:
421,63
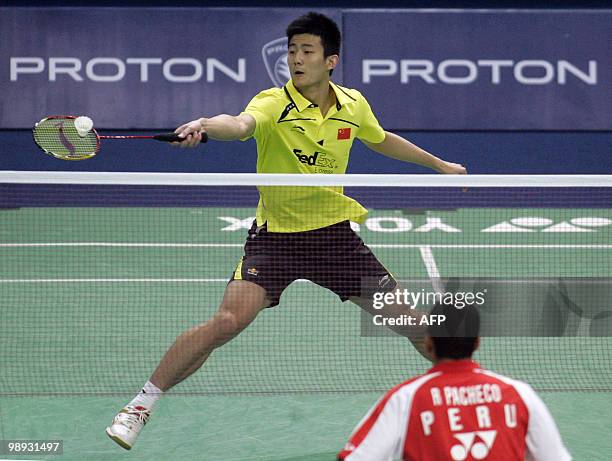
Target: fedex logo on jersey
316,159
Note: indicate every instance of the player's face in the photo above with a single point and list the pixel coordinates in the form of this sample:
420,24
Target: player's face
307,64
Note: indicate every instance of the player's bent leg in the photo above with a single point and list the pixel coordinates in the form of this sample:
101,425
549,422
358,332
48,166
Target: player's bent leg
241,303
414,333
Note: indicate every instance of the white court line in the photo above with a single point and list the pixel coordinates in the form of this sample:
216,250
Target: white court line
430,262
237,245
121,244
493,245
425,250
126,280
116,280
225,280
432,268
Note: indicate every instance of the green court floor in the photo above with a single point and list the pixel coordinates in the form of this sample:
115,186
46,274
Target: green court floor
90,298
283,428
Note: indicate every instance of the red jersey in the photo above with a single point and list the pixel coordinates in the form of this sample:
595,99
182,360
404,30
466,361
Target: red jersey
457,411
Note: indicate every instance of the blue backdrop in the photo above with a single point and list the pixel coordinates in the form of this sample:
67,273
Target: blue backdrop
421,70
501,91
542,70
481,152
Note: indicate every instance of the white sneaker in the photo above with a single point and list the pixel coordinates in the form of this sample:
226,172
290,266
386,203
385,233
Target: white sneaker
127,425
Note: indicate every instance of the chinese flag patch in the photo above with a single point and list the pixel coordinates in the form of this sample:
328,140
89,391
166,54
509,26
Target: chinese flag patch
344,133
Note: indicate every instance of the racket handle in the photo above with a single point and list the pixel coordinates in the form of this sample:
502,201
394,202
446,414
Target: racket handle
174,137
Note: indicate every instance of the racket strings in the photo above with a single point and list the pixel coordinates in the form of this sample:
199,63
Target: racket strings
60,138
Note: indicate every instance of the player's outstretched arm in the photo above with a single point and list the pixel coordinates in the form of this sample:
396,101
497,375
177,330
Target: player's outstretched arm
396,147
221,127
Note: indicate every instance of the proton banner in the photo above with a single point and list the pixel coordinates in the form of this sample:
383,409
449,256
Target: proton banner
421,70
483,70
139,67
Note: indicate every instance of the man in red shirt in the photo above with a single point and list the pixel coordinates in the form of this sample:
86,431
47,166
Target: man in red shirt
457,410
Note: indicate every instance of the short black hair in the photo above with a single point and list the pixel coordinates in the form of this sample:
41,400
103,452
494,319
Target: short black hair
320,25
456,337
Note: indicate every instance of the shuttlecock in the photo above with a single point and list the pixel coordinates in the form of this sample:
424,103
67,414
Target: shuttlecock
83,125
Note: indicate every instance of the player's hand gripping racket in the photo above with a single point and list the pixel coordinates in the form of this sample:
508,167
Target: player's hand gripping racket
74,138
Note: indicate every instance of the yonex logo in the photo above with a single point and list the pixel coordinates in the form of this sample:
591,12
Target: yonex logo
432,224
539,224
477,444
274,54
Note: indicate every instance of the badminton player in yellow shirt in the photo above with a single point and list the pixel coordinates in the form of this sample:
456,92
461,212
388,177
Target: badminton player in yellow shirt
307,127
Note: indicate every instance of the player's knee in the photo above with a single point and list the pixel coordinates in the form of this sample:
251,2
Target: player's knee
226,323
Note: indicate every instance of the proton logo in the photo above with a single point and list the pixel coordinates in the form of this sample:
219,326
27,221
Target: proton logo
275,58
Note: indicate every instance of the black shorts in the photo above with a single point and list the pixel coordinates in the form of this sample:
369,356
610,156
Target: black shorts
333,257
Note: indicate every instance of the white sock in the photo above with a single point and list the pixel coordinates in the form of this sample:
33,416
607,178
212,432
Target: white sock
147,397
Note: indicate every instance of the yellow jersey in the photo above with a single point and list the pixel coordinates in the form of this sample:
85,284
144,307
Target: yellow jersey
293,137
